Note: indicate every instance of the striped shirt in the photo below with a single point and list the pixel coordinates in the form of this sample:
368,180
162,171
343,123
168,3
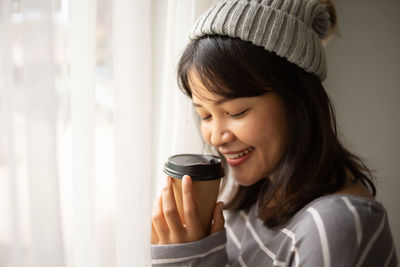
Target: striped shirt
334,230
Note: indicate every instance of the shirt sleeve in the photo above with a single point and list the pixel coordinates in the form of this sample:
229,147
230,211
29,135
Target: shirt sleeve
210,251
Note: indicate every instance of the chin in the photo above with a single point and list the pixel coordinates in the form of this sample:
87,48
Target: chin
246,181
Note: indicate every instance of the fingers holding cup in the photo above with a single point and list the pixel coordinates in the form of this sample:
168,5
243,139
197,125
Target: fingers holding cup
171,214
159,223
190,209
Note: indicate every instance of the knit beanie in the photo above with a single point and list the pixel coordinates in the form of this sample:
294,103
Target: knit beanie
292,29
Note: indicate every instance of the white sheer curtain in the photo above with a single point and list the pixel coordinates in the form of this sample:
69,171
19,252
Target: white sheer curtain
89,113
178,130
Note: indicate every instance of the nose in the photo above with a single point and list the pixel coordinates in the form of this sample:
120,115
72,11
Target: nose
221,134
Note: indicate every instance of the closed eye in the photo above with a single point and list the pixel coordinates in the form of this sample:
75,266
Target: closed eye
237,115
206,118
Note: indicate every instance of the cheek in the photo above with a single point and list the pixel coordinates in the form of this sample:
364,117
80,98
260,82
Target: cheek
205,132
250,130
274,141
267,132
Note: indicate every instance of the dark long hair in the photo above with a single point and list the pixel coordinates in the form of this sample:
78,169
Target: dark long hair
314,163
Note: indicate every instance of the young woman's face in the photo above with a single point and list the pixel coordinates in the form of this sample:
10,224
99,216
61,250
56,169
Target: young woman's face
251,132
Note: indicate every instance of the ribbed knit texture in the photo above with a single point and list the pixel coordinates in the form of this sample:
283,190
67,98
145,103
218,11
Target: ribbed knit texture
293,29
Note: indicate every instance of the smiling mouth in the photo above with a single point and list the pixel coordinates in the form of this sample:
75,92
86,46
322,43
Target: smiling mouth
238,155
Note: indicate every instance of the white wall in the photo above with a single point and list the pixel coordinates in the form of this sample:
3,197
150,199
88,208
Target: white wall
363,82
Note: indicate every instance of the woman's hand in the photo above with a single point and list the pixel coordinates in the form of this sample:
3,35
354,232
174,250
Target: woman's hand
167,227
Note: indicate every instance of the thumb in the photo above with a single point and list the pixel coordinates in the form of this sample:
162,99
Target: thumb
218,218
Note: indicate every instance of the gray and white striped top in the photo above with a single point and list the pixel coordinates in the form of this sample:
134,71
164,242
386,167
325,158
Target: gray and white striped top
335,230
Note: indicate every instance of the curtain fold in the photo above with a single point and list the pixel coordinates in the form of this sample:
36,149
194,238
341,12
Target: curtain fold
82,40
9,225
179,132
133,133
41,148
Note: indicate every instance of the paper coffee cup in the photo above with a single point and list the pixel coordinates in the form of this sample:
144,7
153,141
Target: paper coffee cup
206,172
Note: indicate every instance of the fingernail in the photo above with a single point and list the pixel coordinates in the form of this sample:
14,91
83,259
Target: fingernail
185,179
168,180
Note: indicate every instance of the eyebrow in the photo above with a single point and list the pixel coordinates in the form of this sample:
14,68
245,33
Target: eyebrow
217,102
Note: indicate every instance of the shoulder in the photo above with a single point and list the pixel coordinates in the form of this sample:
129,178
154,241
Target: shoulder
345,213
344,229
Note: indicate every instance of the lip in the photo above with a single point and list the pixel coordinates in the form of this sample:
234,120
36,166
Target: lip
238,161
234,152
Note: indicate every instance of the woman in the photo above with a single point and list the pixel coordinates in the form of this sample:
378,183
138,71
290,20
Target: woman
253,70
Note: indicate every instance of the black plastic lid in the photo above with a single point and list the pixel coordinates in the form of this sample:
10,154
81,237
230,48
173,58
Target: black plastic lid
198,167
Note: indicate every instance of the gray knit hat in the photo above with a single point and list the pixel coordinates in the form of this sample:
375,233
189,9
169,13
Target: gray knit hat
293,29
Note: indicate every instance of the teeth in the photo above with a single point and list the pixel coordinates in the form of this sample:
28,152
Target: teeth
238,155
